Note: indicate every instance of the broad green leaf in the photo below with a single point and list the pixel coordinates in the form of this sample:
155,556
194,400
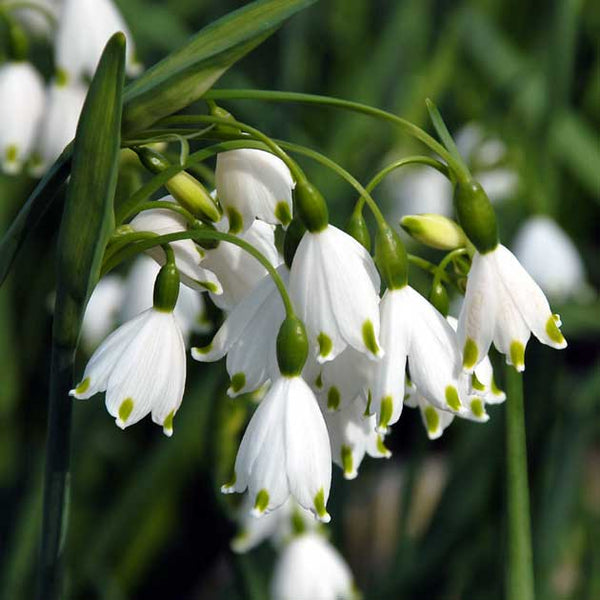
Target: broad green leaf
183,76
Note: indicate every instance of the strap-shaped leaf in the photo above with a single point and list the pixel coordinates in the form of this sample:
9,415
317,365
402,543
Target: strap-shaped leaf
183,76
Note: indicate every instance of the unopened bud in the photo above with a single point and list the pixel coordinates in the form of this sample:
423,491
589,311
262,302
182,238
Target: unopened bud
435,231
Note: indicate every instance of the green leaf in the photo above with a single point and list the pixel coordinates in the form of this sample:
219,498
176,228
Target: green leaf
33,210
183,76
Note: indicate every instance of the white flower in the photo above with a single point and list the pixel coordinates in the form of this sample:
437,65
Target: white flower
139,292
549,255
141,367
278,525
335,288
102,310
285,451
503,304
249,337
84,28
352,435
33,20
237,270
253,183
59,122
22,98
187,254
412,329
310,568
421,190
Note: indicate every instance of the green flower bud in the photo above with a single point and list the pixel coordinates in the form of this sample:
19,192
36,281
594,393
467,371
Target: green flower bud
310,206
292,347
438,296
293,235
357,228
166,288
435,231
391,258
187,190
476,215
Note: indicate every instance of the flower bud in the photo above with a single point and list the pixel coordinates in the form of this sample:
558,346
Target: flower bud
187,190
357,228
438,296
293,235
311,206
435,231
476,215
166,288
391,259
292,347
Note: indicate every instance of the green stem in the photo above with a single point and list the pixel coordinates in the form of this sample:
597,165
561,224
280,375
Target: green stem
406,126
445,262
519,579
199,235
428,266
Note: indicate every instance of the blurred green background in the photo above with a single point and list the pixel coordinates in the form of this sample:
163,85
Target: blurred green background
146,518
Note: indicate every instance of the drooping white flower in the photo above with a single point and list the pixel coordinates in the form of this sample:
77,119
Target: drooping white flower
285,451
237,270
549,255
141,367
102,311
190,310
248,337
310,568
278,526
33,19
59,122
253,184
84,28
412,330
352,435
335,288
503,304
22,98
188,255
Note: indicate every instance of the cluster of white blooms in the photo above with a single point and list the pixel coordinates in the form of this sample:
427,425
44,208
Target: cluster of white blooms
38,121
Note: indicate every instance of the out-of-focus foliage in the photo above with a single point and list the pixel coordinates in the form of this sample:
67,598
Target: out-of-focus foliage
146,517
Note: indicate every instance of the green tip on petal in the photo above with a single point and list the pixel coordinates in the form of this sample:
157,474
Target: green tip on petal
236,222
325,344
368,333
348,462
382,448
283,214
367,412
168,424
320,509
470,354
517,355
125,409
319,381
554,332
204,349
452,399
432,420
477,385
495,389
477,408
227,488
11,153
209,286
61,78
83,387
262,501
333,398
385,412
238,381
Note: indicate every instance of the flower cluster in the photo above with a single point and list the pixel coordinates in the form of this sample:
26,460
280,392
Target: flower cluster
37,120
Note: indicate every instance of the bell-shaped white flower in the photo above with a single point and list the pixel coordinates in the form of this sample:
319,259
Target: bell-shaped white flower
548,254
188,255
434,420
141,367
352,435
237,270
285,451
248,337
253,184
413,330
190,310
22,98
84,28
503,304
310,568
59,122
102,310
335,288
